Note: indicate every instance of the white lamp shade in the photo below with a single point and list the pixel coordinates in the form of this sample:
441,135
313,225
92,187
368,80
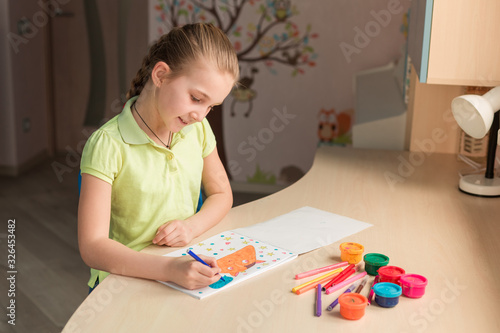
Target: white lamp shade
474,113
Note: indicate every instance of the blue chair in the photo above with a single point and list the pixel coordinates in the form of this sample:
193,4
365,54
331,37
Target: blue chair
200,199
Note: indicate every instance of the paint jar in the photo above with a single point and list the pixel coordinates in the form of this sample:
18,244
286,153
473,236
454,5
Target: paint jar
390,274
413,285
351,252
387,294
373,261
352,305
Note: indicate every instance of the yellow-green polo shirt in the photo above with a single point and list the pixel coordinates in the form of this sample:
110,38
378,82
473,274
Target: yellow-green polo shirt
151,184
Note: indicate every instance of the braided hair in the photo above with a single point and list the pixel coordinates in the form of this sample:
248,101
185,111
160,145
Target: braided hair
184,45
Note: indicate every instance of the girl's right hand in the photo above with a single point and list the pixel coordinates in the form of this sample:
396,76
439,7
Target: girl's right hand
192,274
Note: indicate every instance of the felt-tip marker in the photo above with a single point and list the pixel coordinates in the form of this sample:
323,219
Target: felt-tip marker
318,300
192,254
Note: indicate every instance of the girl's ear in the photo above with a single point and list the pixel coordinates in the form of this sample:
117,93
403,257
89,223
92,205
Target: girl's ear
159,73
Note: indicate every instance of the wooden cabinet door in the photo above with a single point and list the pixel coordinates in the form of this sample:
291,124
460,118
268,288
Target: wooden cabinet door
456,41
70,74
97,48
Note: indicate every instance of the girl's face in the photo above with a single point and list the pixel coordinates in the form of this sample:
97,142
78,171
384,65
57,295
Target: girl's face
188,98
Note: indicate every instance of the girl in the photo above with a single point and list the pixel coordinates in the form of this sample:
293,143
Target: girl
142,170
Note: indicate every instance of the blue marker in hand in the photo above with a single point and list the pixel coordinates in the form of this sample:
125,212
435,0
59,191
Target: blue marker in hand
192,254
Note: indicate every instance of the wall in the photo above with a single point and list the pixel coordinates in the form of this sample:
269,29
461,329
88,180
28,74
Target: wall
8,156
46,76
26,95
271,130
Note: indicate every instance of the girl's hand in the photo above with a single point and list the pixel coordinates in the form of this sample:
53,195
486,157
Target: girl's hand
174,233
192,274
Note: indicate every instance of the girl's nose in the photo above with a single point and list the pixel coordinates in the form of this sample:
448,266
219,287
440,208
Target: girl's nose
197,116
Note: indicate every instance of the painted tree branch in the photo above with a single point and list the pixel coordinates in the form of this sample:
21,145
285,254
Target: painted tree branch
260,34
173,15
212,10
234,17
233,12
280,47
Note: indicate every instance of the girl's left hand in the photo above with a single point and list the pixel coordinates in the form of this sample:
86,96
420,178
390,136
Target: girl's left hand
173,233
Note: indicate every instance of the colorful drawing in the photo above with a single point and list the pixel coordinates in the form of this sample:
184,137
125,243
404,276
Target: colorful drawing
219,284
238,261
333,126
239,258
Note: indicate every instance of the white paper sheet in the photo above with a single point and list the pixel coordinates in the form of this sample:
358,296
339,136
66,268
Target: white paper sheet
304,229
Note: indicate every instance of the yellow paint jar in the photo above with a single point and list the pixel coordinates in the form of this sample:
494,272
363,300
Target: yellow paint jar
351,252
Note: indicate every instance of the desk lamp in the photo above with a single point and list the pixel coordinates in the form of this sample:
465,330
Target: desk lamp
476,115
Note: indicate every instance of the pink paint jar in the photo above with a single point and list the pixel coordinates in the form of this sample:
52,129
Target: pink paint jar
390,274
413,285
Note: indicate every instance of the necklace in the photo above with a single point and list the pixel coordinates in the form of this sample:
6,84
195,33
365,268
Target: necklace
169,133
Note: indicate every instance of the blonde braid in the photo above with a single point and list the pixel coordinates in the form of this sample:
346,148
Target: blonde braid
142,76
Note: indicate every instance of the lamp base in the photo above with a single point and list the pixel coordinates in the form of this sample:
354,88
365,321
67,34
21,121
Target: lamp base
480,185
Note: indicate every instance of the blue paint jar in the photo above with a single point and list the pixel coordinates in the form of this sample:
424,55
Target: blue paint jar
387,294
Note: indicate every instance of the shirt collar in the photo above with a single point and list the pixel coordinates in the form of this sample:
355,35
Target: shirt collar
131,132
129,129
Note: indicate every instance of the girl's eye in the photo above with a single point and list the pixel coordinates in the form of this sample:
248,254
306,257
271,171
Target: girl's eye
194,99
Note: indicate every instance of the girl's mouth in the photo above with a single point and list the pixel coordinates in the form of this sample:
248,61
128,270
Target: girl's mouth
182,121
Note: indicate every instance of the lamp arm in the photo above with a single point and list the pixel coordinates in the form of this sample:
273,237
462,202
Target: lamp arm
492,147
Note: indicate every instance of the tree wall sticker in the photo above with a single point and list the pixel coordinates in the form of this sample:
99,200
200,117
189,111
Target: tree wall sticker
263,33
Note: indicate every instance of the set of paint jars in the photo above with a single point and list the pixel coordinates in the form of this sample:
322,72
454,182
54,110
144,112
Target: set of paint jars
393,281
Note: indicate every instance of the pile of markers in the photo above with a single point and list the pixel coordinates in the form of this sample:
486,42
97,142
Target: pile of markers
389,283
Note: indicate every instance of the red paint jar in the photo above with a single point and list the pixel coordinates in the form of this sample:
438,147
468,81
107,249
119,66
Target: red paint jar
390,274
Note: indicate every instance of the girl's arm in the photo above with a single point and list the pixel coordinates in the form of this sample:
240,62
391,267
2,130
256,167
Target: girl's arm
100,252
217,204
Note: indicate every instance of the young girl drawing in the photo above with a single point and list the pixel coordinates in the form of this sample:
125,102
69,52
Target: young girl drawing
142,170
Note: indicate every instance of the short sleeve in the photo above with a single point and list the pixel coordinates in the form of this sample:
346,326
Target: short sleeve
101,157
209,141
